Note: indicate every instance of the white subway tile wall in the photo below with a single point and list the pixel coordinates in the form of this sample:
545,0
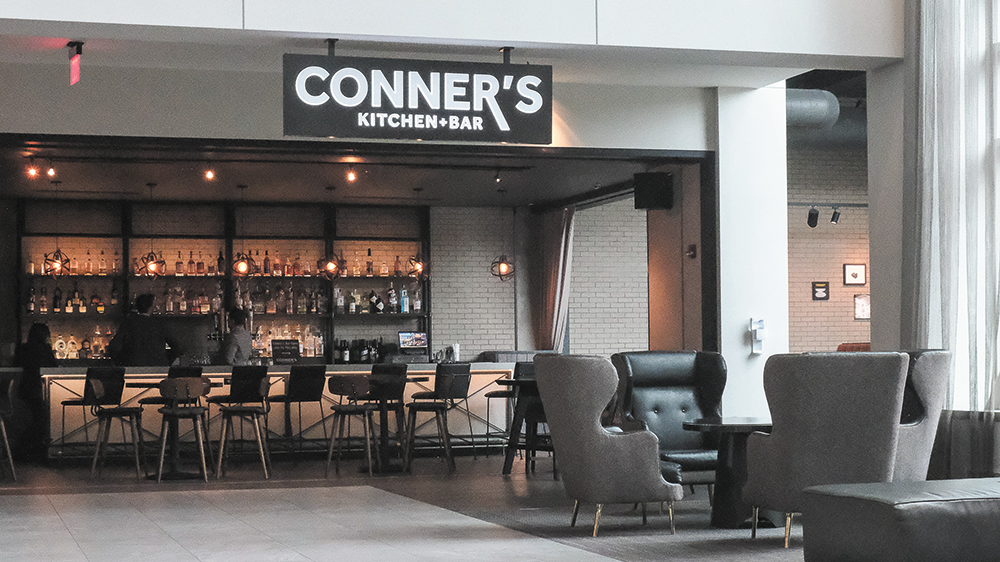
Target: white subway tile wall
470,306
608,309
819,254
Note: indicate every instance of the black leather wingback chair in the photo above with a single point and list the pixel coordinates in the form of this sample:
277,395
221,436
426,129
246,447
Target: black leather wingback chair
663,389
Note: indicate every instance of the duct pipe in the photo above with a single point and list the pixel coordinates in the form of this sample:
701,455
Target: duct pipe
814,109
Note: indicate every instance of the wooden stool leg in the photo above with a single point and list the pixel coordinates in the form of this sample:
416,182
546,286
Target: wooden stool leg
366,419
199,434
97,450
222,445
411,435
6,448
446,439
135,445
329,449
163,448
260,444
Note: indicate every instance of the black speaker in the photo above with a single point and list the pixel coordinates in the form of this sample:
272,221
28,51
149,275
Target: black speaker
654,190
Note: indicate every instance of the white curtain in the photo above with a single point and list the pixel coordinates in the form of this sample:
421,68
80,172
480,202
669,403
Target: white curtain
957,298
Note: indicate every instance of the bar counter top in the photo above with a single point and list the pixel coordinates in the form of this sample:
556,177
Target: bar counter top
497,369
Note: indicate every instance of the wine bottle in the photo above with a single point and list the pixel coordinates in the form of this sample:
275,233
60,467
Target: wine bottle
31,299
397,268
356,272
191,270
352,305
43,303
220,265
179,265
267,262
89,268
57,301
369,269
200,266
102,266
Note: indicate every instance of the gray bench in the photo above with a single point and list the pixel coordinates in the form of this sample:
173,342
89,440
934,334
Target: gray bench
931,521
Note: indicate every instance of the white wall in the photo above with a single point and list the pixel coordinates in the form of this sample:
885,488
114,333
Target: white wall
753,237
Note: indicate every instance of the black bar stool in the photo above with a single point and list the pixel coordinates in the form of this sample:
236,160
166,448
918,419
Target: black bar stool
247,400
451,384
183,395
103,393
351,388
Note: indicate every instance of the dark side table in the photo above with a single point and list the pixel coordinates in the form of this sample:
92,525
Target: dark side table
729,511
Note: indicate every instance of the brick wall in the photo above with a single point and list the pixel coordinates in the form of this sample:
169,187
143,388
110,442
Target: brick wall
470,306
819,254
608,300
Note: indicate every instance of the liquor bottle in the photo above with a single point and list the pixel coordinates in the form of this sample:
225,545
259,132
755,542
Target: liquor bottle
72,349
302,303
135,266
356,272
74,266
369,269
276,268
31,299
341,304
116,264
30,269
384,270
79,302
267,262
307,269
279,299
68,306
297,266
85,350
393,300
181,301
404,300
43,303
114,293
270,306
191,270
345,352
313,303
352,305
89,268
217,299
322,303
204,304
102,266
179,265
59,346
220,265
290,300
97,303
416,300
397,268
57,301
375,303
200,266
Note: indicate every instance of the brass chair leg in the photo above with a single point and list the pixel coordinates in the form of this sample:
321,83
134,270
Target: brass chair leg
753,522
670,507
576,511
788,527
597,518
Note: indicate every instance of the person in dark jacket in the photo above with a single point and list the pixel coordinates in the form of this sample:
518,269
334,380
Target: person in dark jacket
30,426
143,340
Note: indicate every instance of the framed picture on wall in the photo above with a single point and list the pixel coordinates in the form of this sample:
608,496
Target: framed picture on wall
854,274
862,307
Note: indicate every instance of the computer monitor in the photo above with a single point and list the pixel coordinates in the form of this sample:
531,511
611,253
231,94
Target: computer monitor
413,342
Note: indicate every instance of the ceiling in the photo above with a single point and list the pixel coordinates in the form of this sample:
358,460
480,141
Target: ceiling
295,171
314,171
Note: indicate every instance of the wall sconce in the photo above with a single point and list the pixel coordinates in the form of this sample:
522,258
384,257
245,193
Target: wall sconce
75,54
351,174
502,268
813,218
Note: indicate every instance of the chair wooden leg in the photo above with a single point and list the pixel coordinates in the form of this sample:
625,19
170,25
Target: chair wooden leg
446,439
101,428
670,507
222,446
597,518
199,434
6,448
788,527
135,446
576,511
753,521
366,422
411,435
329,449
163,449
260,444
340,439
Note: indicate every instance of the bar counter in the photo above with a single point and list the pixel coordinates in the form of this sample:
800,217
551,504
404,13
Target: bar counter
64,383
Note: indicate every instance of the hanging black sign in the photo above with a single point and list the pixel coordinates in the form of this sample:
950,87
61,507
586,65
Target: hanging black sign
417,99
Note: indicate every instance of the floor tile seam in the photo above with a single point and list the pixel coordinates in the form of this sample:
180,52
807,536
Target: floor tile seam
69,532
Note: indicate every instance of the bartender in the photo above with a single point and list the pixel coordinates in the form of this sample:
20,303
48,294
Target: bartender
143,340
238,345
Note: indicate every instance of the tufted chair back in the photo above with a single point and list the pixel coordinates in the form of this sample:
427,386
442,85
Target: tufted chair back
666,388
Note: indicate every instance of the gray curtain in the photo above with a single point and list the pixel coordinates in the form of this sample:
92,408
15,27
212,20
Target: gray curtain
955,296
966,446
555,246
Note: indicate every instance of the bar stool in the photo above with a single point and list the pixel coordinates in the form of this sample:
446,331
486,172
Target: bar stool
9,385
178,372
103,393
304,384
387,387
521,369
451,383
183,395
248,388
351,388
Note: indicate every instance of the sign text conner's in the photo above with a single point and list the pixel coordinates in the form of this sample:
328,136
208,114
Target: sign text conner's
414,99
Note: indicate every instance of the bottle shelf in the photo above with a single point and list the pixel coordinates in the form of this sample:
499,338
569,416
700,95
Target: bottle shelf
264,315
381,315
69,316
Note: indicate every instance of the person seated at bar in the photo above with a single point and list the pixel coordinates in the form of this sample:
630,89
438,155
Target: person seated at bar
143,340
29,427
238,345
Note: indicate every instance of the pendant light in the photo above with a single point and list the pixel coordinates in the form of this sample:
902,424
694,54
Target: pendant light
150,265
56,264
501,266
331,266
243,264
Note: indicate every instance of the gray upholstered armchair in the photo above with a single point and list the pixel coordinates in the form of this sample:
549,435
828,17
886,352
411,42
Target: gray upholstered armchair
597,464
835,420
664,389
923,399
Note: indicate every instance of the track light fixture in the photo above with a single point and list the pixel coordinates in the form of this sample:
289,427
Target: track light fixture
209,173
835,217
813,218
497,177
51,170
351,174
32,170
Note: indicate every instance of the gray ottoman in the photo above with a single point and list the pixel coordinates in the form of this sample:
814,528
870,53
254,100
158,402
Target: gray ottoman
933,521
